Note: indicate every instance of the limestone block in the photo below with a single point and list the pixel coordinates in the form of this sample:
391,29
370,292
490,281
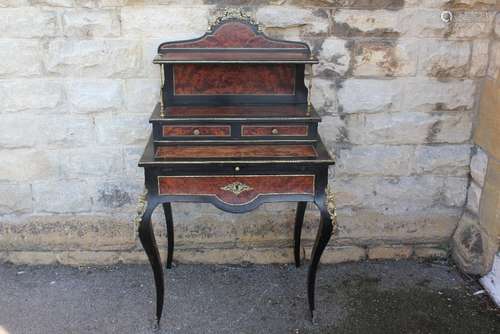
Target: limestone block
472,248
407,194
323,95
164,21
348,22
339,254
374,160
91,96
443,59
132,154
28,22
90,161
358,95
369,227
57,3
149,51
442,159
25,165
411,22
456,4
15,199
353,191
428,23
473,198
424,251
384,58
20,58
479,58
471,24
33,95
497,25
334,56
141,95
126,129
306,21
430,95
96,58
400,195
454,192
119,195
90,23
478,164
409,128
332,132
61,196
14,3
67,233
385,252
27,130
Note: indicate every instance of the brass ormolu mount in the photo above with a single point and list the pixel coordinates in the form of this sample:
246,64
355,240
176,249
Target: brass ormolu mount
332,208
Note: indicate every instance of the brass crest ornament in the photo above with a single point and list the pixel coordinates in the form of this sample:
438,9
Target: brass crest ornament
141,207
233,13
332,209
236,188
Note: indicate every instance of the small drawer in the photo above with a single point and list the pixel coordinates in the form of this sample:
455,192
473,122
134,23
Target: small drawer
273,130
196,131
235,189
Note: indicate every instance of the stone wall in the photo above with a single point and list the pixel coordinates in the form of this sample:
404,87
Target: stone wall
397,88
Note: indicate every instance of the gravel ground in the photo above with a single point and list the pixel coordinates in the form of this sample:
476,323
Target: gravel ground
365,297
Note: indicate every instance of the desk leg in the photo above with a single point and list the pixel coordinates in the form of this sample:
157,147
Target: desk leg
322,238
299,220
148,241
167,209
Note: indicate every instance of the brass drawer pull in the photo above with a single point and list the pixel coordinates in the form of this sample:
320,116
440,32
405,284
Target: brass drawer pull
274,131
196,132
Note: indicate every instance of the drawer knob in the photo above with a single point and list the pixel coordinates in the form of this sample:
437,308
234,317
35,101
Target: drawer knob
237,169
196,132
274,131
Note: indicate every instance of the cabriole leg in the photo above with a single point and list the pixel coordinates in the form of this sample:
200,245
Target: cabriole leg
167,209
148,241
327,226
299,220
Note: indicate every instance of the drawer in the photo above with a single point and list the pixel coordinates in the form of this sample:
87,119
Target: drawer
274,130
196,131
235,189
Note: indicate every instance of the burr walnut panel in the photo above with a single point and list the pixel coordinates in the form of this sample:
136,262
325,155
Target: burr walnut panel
232,35
196,131
234,79
236,189
273,130
237,111
235,151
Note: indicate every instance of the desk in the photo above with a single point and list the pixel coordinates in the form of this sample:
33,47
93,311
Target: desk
232,140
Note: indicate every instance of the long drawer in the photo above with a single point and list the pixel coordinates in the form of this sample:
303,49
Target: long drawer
236,189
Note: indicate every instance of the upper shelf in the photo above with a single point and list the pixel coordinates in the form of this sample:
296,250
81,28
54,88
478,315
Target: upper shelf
234,41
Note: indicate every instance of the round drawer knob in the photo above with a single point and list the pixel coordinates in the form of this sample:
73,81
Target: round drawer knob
274,131
196,132
237,169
